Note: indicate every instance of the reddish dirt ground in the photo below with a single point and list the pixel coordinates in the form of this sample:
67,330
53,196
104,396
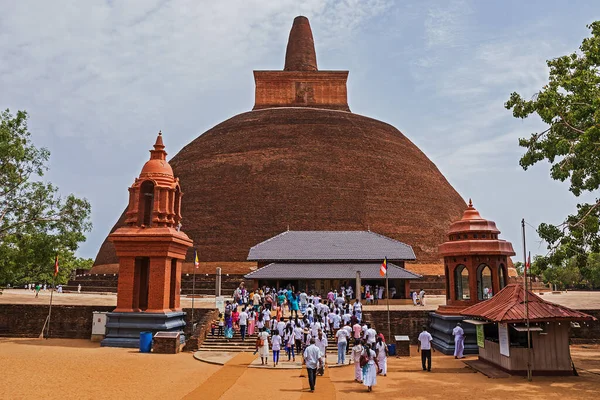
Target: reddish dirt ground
60,368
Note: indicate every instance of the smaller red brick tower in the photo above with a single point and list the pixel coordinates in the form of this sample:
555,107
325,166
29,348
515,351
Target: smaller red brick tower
151,249
476,261
476,267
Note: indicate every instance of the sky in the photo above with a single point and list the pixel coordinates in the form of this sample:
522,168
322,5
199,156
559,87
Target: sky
101,78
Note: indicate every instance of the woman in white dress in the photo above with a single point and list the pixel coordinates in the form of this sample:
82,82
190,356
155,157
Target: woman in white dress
370,372
382,353
356,352
263,346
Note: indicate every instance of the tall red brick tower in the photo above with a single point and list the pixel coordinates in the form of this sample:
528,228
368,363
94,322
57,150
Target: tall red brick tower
475,268
151,249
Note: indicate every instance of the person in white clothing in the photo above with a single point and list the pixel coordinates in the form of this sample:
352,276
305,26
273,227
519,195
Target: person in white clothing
262,345
424,345
371,370
371,333
243,322
382,353
342,342
313,358
459,341
321,342
357,350
276,346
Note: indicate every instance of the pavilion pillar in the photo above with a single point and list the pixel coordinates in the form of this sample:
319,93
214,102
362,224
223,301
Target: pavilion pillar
126,285
358,283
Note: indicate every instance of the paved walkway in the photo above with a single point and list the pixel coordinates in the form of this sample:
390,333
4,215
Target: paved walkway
223,379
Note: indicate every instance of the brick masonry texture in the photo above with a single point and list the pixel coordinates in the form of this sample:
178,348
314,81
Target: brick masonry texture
311,169
69,322
75,322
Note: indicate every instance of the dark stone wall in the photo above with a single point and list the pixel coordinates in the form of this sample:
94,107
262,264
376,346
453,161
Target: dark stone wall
73,322
70,322
402,323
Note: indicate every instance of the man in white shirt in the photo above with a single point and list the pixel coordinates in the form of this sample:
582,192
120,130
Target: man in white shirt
243,321
321,342
414,297
313,358
349,293
424,346
371,333
281,326
342,342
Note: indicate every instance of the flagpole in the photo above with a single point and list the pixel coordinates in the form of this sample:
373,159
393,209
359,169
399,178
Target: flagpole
387,293
193,294
526,266
50,308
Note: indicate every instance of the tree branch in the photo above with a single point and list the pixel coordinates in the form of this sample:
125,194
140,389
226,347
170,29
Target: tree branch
572,127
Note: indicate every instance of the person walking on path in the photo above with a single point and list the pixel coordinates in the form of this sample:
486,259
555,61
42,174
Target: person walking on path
313,359
243,322
276,346
372,368
459,341
38,287
342,342
424,345
415,296
357,350
321,343
262,345
288,339
382,354
422,297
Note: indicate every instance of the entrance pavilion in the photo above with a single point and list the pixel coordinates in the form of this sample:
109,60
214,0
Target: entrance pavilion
318,261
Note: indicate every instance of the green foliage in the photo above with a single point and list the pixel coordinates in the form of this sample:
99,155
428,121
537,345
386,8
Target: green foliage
36,222
570,105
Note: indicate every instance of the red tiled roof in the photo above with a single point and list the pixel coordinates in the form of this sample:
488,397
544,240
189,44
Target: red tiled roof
509,306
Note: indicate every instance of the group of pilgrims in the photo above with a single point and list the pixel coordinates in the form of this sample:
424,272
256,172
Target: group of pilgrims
311,322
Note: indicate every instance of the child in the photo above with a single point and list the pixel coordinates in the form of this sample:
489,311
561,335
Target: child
221,324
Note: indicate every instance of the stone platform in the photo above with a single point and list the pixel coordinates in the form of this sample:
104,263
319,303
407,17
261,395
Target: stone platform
123,329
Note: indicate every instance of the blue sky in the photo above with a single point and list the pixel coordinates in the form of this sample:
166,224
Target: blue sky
100,78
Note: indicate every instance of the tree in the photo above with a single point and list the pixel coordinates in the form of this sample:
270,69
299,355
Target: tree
36,223
570,106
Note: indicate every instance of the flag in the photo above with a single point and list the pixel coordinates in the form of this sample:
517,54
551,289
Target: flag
528,263
56,265
383,268
196,262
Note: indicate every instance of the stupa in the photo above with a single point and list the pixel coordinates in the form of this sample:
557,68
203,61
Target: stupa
302,160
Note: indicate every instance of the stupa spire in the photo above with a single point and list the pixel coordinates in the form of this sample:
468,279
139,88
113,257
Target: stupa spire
300,54
159,152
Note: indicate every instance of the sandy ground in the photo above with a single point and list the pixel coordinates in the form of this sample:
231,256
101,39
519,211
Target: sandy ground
59,368
577,300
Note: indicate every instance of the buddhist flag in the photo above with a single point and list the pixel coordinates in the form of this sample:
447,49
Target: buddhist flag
383,268
528,263
196,262
56,265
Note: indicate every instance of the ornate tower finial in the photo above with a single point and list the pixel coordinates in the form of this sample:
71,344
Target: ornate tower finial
300,54
470,203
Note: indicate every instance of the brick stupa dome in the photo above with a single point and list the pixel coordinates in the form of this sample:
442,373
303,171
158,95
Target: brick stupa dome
301,160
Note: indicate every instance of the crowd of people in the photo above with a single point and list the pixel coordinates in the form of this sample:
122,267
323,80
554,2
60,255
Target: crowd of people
302,324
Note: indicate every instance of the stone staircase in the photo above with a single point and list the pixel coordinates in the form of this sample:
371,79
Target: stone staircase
235,344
